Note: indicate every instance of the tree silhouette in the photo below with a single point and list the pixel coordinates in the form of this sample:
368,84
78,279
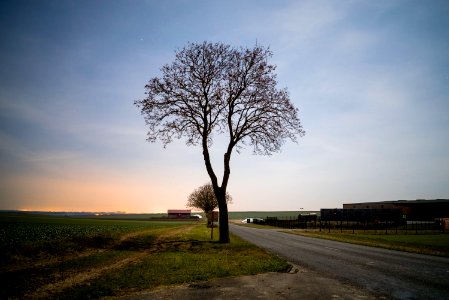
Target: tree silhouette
215,88
204,198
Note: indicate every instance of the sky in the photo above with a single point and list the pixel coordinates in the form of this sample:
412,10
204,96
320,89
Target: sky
370,79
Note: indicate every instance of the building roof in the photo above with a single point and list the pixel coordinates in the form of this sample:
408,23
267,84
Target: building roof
398,202
178,211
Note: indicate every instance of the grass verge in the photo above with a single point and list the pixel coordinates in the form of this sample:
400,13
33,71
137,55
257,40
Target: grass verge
183,258
431,244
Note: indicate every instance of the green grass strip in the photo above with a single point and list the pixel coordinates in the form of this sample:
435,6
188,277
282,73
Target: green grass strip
431,244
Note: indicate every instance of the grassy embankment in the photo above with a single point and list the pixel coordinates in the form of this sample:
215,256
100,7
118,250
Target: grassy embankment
66,258
431,244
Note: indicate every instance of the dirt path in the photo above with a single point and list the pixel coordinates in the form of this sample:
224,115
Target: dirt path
299,283
92,273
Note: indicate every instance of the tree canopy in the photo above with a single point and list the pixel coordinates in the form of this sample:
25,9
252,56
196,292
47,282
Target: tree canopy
213,88
204,198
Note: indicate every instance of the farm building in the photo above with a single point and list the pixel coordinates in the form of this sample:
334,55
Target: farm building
413,209
179,213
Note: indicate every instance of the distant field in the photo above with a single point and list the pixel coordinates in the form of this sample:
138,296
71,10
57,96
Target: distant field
44,257
233,215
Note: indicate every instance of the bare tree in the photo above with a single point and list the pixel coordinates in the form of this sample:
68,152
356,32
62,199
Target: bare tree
214,88
204,198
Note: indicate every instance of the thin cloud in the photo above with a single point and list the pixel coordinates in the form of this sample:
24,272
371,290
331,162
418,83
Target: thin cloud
306,21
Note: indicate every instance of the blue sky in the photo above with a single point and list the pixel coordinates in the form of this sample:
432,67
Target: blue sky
371,80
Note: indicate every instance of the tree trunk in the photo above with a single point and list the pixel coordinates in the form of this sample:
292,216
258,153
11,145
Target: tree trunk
223,216
220,192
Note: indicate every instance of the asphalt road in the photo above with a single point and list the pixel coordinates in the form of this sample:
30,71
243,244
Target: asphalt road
394,274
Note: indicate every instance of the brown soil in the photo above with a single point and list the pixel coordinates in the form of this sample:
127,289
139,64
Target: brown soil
296,284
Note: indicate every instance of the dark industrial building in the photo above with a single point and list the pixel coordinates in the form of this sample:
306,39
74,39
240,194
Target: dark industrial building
417,215
418,210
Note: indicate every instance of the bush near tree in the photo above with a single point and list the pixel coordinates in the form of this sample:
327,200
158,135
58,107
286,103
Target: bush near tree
204,198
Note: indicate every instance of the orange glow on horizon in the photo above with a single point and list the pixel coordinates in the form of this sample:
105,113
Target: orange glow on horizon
109,194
